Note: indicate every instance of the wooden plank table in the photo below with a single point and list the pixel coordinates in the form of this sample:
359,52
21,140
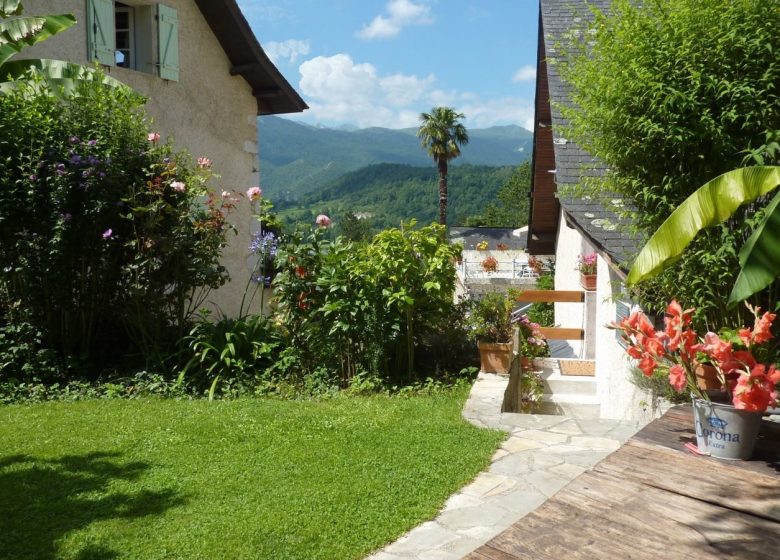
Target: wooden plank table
653,499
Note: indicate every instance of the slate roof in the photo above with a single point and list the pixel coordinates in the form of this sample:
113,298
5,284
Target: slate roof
595,220
516,239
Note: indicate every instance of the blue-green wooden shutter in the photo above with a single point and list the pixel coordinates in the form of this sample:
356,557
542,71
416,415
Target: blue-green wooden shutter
101,36
168,42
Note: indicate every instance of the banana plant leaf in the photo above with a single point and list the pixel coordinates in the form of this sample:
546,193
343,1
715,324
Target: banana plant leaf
10,8
21,32
62,76
759,258
711,204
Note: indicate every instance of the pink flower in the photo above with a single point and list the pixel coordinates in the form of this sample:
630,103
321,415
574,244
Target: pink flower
204,162
677,377
153,137
108,234
254,193
323,221
178,186
755,391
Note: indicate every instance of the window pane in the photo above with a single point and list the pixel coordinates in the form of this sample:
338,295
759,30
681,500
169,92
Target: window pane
122,20
123,40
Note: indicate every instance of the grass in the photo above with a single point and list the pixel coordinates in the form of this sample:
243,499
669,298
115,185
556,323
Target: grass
247,478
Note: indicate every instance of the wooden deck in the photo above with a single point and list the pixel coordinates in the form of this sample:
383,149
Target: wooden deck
653,499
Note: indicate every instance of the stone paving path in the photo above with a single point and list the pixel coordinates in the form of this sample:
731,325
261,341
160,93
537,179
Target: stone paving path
542,455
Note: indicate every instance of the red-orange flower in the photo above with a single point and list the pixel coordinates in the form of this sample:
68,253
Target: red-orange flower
762,330
677,377
755,391
648,364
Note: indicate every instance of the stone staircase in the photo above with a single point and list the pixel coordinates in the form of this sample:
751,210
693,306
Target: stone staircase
569,395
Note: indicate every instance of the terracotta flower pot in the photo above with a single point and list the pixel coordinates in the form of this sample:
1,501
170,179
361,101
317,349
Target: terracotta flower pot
707,378
495,357
526,363
588,281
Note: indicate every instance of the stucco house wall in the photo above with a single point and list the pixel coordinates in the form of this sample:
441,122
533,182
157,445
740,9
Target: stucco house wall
207,112
570,244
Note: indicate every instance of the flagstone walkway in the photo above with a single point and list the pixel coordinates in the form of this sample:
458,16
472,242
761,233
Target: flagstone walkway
542,455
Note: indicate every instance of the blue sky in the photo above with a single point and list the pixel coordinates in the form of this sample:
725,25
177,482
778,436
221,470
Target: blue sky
381,62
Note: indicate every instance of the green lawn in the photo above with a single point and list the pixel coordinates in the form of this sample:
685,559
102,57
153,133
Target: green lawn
234,479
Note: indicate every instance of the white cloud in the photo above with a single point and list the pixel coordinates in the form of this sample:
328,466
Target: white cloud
290,49
507,110
340,90
525,74
399,14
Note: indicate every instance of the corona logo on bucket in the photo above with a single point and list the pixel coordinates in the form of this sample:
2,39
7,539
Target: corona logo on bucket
717,423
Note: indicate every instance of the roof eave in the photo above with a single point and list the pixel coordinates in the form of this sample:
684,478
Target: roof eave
273,93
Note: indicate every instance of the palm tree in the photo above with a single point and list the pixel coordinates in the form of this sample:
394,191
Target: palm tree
442,134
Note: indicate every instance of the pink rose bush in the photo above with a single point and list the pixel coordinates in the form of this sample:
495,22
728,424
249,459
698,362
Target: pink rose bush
751,385
323,221
254,193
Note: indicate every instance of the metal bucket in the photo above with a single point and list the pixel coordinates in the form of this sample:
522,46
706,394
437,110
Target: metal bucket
723,431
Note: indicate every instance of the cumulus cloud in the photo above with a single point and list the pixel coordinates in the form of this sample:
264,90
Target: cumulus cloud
290,50
398,14
525,74
338,89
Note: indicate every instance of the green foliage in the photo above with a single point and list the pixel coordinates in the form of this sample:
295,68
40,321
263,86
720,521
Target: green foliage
668,95
297,159
239,350
490,319
354,228
713,203
144,479
511,209
441,135
391,194
356,309
108,242
544,313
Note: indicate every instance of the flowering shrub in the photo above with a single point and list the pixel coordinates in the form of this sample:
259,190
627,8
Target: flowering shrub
482,245
108,239
679,349
362,308
533,344
490,264
587,263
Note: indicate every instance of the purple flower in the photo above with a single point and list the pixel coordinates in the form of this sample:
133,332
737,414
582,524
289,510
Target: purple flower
108,234
92,160
59,169
74,140
33,177
92,142
65,216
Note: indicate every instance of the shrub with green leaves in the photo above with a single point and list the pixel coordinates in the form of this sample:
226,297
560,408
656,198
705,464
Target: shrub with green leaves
109,239
668,95
355,309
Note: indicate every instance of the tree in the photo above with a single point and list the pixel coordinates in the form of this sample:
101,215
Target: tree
442,134
512,207
354,228
667,95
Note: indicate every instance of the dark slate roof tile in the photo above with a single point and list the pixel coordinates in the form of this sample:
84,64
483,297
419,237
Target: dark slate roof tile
609,232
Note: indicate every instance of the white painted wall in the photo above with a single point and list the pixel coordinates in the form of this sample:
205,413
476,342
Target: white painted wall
619,397
207,112
569,246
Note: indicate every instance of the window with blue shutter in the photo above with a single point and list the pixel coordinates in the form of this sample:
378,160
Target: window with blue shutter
101,35
168,42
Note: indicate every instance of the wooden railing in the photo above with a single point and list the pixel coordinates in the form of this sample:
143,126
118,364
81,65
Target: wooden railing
553,296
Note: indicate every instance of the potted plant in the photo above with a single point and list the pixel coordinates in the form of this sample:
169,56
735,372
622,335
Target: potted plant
490,321
532,342
490,264
586,264
726,429
482,245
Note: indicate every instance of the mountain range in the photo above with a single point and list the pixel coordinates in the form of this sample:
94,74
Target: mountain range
297,159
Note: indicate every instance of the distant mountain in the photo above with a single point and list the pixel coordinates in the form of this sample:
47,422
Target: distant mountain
388,194
296,158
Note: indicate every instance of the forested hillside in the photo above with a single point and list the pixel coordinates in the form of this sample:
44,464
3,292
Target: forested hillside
296,159
387,194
